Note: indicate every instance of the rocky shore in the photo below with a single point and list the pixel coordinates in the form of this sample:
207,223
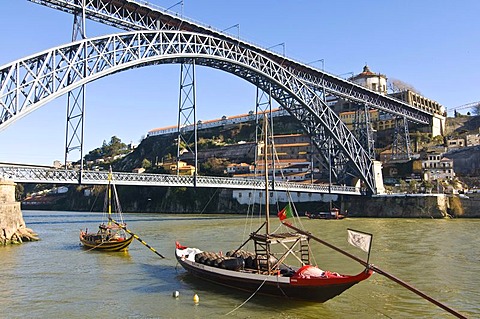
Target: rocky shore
12,226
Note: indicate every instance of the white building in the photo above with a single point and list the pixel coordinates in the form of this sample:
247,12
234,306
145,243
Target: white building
437,167
248,197
374,81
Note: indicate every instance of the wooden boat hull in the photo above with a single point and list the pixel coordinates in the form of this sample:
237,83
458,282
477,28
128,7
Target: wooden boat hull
311,289
324,216
111,245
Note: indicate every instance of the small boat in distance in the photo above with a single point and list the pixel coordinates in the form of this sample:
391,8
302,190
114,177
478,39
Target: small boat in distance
334,213
276,263
111,236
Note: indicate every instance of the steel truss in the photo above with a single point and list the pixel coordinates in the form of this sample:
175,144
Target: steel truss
362,129
187,114
132,15
37,175
74,132
28,84
401,148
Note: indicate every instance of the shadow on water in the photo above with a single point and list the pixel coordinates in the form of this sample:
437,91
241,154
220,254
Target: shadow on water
163,279
87,218
204,287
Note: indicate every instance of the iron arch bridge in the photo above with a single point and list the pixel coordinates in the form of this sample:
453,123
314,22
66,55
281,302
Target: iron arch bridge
27,84
132,15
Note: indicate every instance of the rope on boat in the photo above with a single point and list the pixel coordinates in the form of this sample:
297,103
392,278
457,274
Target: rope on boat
381,272
136,237
251,296
93,248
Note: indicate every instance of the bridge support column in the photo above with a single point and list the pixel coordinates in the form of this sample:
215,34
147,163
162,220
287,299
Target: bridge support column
377,171
74,131
12,225
187,116
401,140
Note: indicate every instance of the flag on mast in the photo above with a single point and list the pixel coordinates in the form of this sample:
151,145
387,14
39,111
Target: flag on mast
285,213
359,239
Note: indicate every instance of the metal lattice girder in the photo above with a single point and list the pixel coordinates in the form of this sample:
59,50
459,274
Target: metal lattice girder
27,84
76,98
187,114
401,148
131,15
39,175
362,129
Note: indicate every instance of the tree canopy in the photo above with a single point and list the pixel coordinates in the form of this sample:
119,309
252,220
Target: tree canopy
110,149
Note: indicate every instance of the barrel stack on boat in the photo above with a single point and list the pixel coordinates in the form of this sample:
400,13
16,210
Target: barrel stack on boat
279,263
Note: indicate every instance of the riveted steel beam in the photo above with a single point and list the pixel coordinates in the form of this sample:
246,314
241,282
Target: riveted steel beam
133,15
41,175
30,83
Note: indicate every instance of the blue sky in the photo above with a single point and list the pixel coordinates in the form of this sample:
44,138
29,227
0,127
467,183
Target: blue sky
432,45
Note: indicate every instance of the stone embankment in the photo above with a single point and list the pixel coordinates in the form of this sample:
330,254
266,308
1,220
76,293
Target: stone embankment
414,206
12,225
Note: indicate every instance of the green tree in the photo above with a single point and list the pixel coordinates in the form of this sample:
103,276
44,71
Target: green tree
215,166
412,186
146,164
438,140
114,147
427,185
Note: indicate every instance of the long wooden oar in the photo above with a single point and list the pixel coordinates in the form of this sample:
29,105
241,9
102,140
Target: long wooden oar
136,237
381,272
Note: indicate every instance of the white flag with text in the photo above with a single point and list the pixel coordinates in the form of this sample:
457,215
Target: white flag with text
359,239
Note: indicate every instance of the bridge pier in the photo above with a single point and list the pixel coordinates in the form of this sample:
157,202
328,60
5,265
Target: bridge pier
12,225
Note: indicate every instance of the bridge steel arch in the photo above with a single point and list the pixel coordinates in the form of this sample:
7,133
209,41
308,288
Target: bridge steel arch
132,15
27,84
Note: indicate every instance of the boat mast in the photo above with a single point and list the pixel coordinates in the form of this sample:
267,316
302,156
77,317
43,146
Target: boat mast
109,197
265,159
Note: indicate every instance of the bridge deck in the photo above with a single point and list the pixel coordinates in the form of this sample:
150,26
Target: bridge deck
42,175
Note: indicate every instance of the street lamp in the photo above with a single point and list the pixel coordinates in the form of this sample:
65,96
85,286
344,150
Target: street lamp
176,4
234,26
276,45
320,60
351,75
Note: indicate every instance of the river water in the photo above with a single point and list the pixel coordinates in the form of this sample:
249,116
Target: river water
56,278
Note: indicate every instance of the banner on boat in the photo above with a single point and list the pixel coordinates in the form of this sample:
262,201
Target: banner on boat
359,239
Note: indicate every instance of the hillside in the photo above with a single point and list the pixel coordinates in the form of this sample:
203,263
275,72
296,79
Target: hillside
231,143
462,125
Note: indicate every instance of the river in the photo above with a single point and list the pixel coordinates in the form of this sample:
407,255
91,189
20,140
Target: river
56,278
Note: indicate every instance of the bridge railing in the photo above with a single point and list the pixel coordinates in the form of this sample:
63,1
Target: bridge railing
42,175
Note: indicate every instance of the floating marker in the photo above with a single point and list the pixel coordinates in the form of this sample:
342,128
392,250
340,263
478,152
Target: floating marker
196,299
175,294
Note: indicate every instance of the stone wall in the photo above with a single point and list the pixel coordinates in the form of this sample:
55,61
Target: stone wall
399,206
12,225
470,204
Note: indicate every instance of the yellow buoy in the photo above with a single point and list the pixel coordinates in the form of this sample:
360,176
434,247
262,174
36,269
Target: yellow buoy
196,299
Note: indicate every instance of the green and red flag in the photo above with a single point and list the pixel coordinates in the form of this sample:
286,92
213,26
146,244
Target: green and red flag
285,213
